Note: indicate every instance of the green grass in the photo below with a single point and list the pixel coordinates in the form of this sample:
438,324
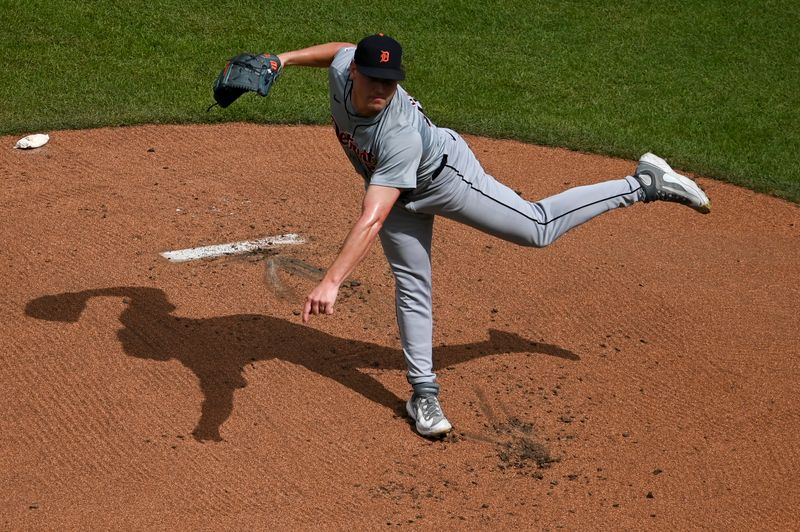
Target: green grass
712,86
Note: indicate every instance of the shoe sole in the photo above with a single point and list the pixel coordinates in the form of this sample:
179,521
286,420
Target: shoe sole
685,182
428,433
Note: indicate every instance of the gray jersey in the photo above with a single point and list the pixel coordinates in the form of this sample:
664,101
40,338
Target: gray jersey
399,147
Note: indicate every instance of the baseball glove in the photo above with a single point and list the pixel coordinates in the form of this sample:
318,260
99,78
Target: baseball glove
246,72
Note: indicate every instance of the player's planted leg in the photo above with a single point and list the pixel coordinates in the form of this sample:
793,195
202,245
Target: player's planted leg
660,182
406,240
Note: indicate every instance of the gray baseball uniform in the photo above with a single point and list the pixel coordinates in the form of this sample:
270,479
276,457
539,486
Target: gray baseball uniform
439,175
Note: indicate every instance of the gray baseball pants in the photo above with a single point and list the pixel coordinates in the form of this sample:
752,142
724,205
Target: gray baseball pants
465,193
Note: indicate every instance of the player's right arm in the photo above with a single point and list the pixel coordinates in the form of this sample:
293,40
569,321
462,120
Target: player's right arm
320,55
377,205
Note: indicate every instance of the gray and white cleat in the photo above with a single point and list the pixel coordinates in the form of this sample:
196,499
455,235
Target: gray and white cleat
427,412
661,183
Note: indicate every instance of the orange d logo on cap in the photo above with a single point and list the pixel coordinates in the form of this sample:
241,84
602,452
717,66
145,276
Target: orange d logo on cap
384,56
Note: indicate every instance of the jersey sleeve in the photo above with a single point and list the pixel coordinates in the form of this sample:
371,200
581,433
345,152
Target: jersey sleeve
398,161
343,58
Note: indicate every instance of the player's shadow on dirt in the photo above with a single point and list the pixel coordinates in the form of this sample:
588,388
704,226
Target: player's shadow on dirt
216,350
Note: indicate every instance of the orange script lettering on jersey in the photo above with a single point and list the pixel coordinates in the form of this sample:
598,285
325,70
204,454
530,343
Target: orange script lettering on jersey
348,143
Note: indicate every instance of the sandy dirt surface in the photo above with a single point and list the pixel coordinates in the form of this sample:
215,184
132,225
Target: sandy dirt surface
641,372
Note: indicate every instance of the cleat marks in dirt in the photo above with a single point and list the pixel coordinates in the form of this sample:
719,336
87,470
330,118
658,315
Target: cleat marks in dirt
514,440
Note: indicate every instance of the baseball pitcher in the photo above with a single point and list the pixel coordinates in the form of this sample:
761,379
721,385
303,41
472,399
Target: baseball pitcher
414,171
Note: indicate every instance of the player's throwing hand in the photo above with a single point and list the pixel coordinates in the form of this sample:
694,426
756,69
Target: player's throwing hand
321,299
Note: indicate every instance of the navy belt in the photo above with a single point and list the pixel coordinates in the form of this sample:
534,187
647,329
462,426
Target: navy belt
422,186
441,167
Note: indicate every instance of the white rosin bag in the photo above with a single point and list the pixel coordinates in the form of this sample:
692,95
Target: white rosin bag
32,141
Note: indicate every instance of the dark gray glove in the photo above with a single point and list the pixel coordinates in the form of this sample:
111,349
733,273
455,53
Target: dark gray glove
246,73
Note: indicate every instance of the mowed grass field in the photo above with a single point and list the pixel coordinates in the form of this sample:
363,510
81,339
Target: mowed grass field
710,85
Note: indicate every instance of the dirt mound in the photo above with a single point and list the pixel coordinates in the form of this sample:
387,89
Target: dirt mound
642,371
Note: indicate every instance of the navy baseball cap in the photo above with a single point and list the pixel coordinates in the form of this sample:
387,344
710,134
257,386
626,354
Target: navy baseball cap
379,56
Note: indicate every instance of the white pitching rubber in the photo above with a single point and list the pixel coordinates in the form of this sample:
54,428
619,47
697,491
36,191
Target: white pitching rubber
233,248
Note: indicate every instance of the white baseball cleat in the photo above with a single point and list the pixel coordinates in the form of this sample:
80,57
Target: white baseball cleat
427,412
660,182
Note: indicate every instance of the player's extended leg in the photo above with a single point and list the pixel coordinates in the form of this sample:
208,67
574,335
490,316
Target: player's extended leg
406,240
494,208
465,193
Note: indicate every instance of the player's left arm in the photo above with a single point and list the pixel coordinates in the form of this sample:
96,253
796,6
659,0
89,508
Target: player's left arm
378,203
320,55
